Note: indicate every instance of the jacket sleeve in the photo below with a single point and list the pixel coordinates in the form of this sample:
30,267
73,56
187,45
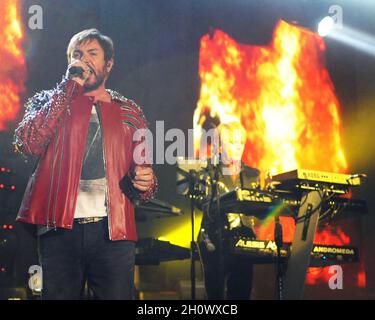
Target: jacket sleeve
137,120
42,116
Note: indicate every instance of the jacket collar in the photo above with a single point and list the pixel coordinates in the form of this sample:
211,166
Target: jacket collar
117,96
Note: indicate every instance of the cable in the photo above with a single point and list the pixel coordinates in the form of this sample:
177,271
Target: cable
309,214
318,207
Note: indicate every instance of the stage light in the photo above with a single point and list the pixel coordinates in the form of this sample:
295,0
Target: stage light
354,38
13,187
325,26
332,28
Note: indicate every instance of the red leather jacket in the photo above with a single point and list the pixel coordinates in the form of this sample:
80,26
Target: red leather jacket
55,127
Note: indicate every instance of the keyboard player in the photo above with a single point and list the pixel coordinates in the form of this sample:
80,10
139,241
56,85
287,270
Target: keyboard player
227,276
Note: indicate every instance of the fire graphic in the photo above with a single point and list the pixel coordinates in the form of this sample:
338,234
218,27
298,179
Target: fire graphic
12,68
283,95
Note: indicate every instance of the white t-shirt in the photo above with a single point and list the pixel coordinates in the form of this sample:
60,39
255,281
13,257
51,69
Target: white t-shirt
91,201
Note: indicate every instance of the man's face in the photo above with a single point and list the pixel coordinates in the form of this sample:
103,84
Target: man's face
91,53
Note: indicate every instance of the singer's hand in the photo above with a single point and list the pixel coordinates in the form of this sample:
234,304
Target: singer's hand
143,178
86,71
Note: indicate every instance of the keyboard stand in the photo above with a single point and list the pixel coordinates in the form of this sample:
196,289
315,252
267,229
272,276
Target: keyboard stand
299,261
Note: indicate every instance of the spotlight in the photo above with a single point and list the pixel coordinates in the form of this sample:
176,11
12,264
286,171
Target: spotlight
325,26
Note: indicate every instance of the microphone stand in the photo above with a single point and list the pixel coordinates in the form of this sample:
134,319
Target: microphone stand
193,193
219,218
217,215
278,234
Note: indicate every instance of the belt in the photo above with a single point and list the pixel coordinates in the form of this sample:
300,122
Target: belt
88,220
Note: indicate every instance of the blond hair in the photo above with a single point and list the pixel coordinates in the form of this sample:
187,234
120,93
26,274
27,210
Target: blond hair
230,127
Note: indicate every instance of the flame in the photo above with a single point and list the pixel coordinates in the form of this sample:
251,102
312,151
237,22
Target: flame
283,96
12,73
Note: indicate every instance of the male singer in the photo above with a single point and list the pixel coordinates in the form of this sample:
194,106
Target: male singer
80,193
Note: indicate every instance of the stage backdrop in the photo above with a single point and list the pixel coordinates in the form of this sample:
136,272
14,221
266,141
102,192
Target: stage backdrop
166,51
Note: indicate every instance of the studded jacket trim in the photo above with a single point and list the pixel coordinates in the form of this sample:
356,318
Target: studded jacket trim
54,128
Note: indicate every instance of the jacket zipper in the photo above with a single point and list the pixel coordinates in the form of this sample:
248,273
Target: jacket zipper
59,176
59,165
97,108
50,184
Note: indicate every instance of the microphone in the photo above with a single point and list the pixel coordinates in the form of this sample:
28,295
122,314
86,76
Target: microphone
207,242
358,175
77,71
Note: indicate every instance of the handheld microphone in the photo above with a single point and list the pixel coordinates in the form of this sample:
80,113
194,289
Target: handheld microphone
75,71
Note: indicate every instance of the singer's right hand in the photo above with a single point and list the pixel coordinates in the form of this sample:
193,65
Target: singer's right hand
85,75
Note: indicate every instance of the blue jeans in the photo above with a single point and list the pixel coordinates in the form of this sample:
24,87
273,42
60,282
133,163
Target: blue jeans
69,258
